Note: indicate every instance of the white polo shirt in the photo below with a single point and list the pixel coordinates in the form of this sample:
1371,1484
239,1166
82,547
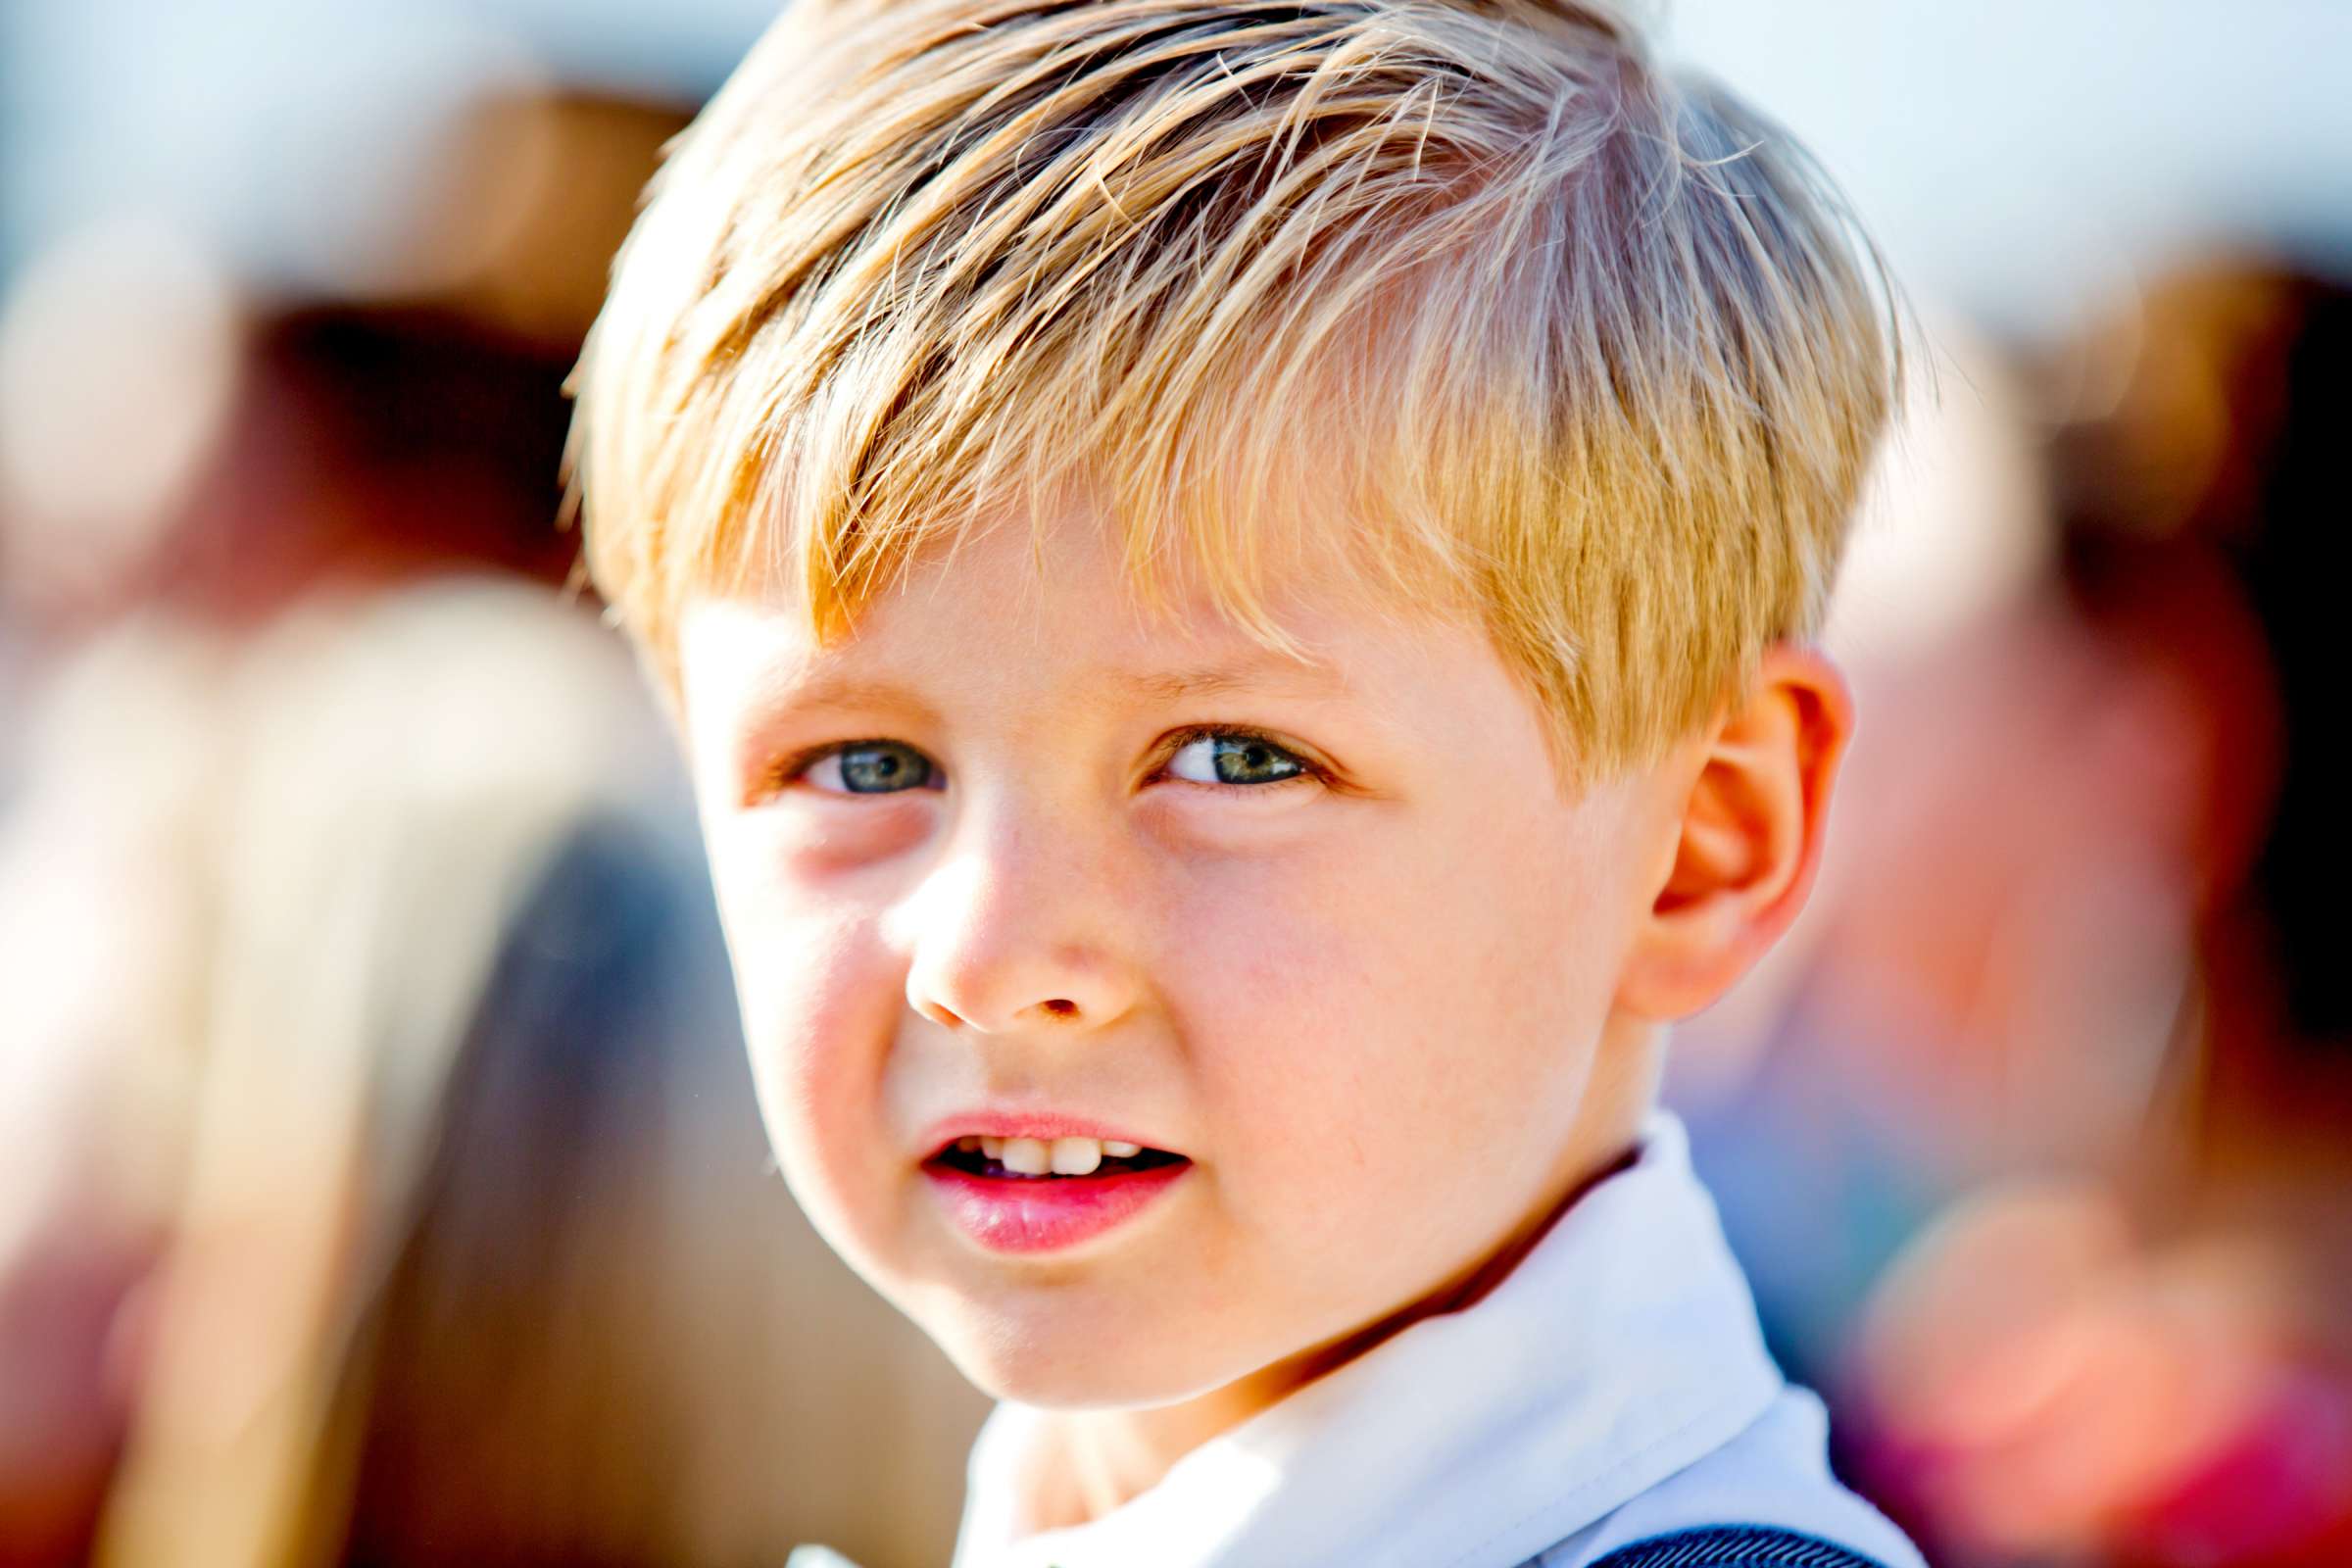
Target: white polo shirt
1613,1388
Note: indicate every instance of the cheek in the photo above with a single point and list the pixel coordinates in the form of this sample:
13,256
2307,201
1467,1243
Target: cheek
1432,986
821,995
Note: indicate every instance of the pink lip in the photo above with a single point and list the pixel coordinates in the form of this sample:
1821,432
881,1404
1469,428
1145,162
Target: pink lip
1045,1214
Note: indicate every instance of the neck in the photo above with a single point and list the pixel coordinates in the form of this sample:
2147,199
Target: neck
1093,1461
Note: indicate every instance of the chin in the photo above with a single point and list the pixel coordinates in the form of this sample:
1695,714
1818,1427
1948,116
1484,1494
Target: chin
1048,1362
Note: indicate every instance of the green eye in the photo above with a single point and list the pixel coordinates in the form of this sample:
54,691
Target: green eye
870,767
1236,756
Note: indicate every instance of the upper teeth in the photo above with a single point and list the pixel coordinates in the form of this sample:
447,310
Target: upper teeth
1064,1156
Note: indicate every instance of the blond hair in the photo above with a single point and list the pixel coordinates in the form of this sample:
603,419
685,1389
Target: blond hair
1529,327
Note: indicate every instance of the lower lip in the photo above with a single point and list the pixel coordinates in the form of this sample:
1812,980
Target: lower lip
1045,1214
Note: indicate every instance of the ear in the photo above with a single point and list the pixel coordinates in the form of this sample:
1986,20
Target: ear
1749,839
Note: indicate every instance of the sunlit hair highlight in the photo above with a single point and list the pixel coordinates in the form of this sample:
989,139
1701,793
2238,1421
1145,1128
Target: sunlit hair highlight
1519,323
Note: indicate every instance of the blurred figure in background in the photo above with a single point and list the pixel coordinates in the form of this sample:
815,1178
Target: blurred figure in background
456,1278
102,974
412,1151
377,1141
2042,1157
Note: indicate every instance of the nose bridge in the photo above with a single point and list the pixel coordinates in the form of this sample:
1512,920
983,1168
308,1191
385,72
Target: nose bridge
1016,925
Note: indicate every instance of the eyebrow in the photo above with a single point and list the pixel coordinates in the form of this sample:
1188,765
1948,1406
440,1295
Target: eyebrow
824,693
1224,679
846,692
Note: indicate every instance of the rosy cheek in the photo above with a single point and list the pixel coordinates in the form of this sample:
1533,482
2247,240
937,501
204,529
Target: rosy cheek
790,881
818,987
820,1014
1266,973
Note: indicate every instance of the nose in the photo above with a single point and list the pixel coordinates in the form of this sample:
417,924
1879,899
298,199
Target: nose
1018,928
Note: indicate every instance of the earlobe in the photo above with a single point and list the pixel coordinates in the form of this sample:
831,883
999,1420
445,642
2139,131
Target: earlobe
1749,840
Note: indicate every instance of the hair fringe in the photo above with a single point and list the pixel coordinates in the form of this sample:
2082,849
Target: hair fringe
1593,352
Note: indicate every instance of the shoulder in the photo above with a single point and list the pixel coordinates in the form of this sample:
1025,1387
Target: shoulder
1766,1498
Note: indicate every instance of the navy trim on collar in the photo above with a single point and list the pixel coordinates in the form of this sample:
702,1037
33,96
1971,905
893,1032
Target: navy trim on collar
1734,1547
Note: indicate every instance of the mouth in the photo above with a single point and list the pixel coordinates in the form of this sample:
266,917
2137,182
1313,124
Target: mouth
1022,1194
1050,1158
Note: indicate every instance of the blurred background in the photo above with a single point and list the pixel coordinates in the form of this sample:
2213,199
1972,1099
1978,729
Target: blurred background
379,1182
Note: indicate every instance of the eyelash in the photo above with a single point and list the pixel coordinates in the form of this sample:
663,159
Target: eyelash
793,768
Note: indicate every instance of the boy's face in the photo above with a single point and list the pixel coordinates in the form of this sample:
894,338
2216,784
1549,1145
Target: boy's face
1016,858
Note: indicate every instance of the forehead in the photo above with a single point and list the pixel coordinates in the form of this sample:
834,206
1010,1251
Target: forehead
1011,607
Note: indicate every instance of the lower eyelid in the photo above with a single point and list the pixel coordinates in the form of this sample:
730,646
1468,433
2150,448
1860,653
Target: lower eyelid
1269,789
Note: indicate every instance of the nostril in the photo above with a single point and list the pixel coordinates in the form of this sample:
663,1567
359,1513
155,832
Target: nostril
1060,1007
945,1017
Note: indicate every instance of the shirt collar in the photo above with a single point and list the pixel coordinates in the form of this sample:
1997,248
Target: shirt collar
1623,1348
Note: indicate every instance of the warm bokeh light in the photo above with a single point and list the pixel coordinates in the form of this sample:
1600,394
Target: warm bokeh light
120,353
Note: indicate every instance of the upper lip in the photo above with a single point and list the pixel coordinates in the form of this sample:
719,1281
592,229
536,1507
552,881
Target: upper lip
1043,1125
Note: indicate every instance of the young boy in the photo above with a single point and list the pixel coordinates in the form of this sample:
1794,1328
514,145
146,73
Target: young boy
1233,578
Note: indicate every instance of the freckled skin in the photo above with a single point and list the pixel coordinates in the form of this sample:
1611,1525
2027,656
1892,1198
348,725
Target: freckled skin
1368,1010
